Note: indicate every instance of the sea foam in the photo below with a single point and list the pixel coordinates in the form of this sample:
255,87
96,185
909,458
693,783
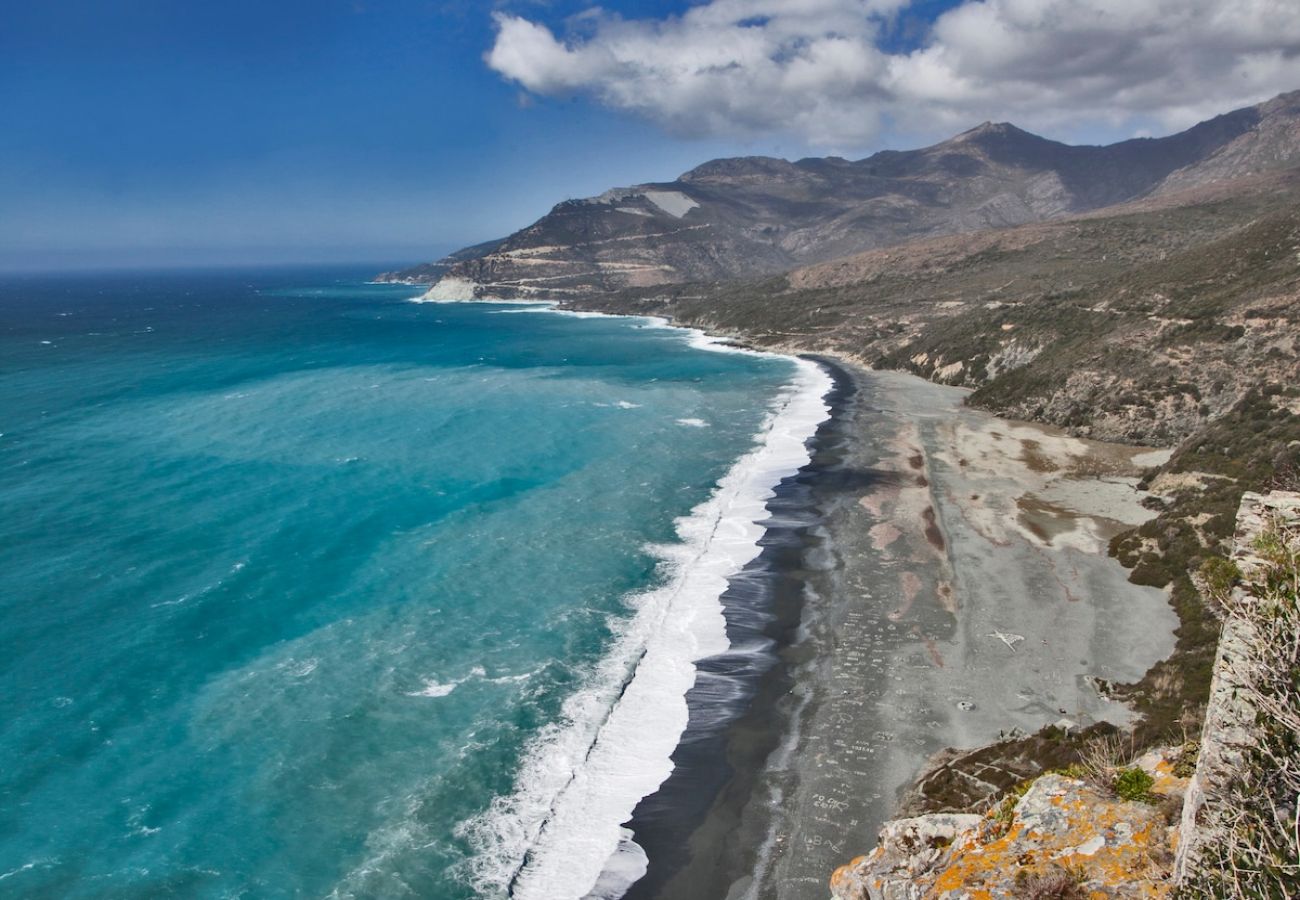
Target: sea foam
560,835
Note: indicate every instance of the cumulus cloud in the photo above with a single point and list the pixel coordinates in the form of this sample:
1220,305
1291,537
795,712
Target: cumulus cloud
815,70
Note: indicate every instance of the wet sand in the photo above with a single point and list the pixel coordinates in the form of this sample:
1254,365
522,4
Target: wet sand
944,579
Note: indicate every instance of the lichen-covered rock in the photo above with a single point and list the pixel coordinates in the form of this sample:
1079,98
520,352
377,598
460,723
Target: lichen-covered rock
908,850
1062,828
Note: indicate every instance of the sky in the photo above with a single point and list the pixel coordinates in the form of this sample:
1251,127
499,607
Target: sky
147,132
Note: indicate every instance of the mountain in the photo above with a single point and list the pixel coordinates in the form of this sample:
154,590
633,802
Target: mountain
1139,322
1173,320
758,215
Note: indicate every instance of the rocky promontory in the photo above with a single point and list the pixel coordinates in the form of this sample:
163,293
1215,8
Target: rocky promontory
1065,832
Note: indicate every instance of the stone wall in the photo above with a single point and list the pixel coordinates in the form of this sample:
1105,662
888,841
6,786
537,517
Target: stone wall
1229,717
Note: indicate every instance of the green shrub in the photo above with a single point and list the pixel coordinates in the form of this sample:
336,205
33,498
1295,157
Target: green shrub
1151,571
1134,784
1219,575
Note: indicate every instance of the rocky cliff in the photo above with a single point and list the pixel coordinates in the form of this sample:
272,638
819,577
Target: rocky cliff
1239,824
1064,836
755,215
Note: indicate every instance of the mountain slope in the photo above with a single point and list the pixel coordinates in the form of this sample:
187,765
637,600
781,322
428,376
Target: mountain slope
757,215
1081,321
1173,321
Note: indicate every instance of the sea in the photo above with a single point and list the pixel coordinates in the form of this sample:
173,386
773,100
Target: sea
310,590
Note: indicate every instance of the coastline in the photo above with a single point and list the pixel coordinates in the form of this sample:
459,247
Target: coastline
737,719
930,616
562,831
934,577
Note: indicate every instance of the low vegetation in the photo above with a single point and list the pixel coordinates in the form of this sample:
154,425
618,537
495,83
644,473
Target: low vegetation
1134,785
1256,850
985,777
1256,446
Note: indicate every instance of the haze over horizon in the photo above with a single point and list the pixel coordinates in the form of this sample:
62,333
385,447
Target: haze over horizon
340,130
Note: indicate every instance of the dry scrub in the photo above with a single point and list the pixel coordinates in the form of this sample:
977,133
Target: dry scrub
1256,853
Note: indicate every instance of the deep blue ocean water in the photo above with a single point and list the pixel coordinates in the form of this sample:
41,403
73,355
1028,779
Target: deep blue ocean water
294,570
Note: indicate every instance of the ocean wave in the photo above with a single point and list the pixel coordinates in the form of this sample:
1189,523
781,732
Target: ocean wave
560,834
203,591
536,307
45,862
434,688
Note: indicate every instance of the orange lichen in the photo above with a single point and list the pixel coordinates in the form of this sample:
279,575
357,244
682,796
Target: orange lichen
1117,848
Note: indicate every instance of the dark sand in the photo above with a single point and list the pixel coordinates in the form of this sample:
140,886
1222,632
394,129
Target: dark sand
935,577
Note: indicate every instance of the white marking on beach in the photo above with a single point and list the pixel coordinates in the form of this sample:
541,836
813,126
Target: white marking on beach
1009,639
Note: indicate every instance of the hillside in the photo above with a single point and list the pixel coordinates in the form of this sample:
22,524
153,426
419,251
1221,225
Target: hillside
1147,292
1139,323
1209,816
1174,321
758,215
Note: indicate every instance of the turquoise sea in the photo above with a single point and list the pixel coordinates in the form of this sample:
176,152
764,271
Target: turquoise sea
309,590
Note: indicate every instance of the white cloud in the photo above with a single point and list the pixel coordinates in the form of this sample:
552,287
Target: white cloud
1173,61
751,66
813,69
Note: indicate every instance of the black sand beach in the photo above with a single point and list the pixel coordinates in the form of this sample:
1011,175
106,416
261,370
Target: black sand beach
934,576
691,829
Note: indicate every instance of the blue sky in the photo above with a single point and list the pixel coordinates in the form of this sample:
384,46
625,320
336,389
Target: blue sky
144,131
151,132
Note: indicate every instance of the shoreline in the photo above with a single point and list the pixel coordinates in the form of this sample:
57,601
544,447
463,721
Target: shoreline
893,654
887,637
730,737
562,830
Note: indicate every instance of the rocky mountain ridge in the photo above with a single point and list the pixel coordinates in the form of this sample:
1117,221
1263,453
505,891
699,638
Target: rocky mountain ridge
1137,323
749,216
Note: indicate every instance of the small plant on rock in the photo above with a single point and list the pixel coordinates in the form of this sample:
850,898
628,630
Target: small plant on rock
1004,812
1134,784
1103,757
1185,765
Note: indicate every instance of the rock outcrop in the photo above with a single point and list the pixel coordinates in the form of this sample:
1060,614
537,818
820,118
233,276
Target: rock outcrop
1063,831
